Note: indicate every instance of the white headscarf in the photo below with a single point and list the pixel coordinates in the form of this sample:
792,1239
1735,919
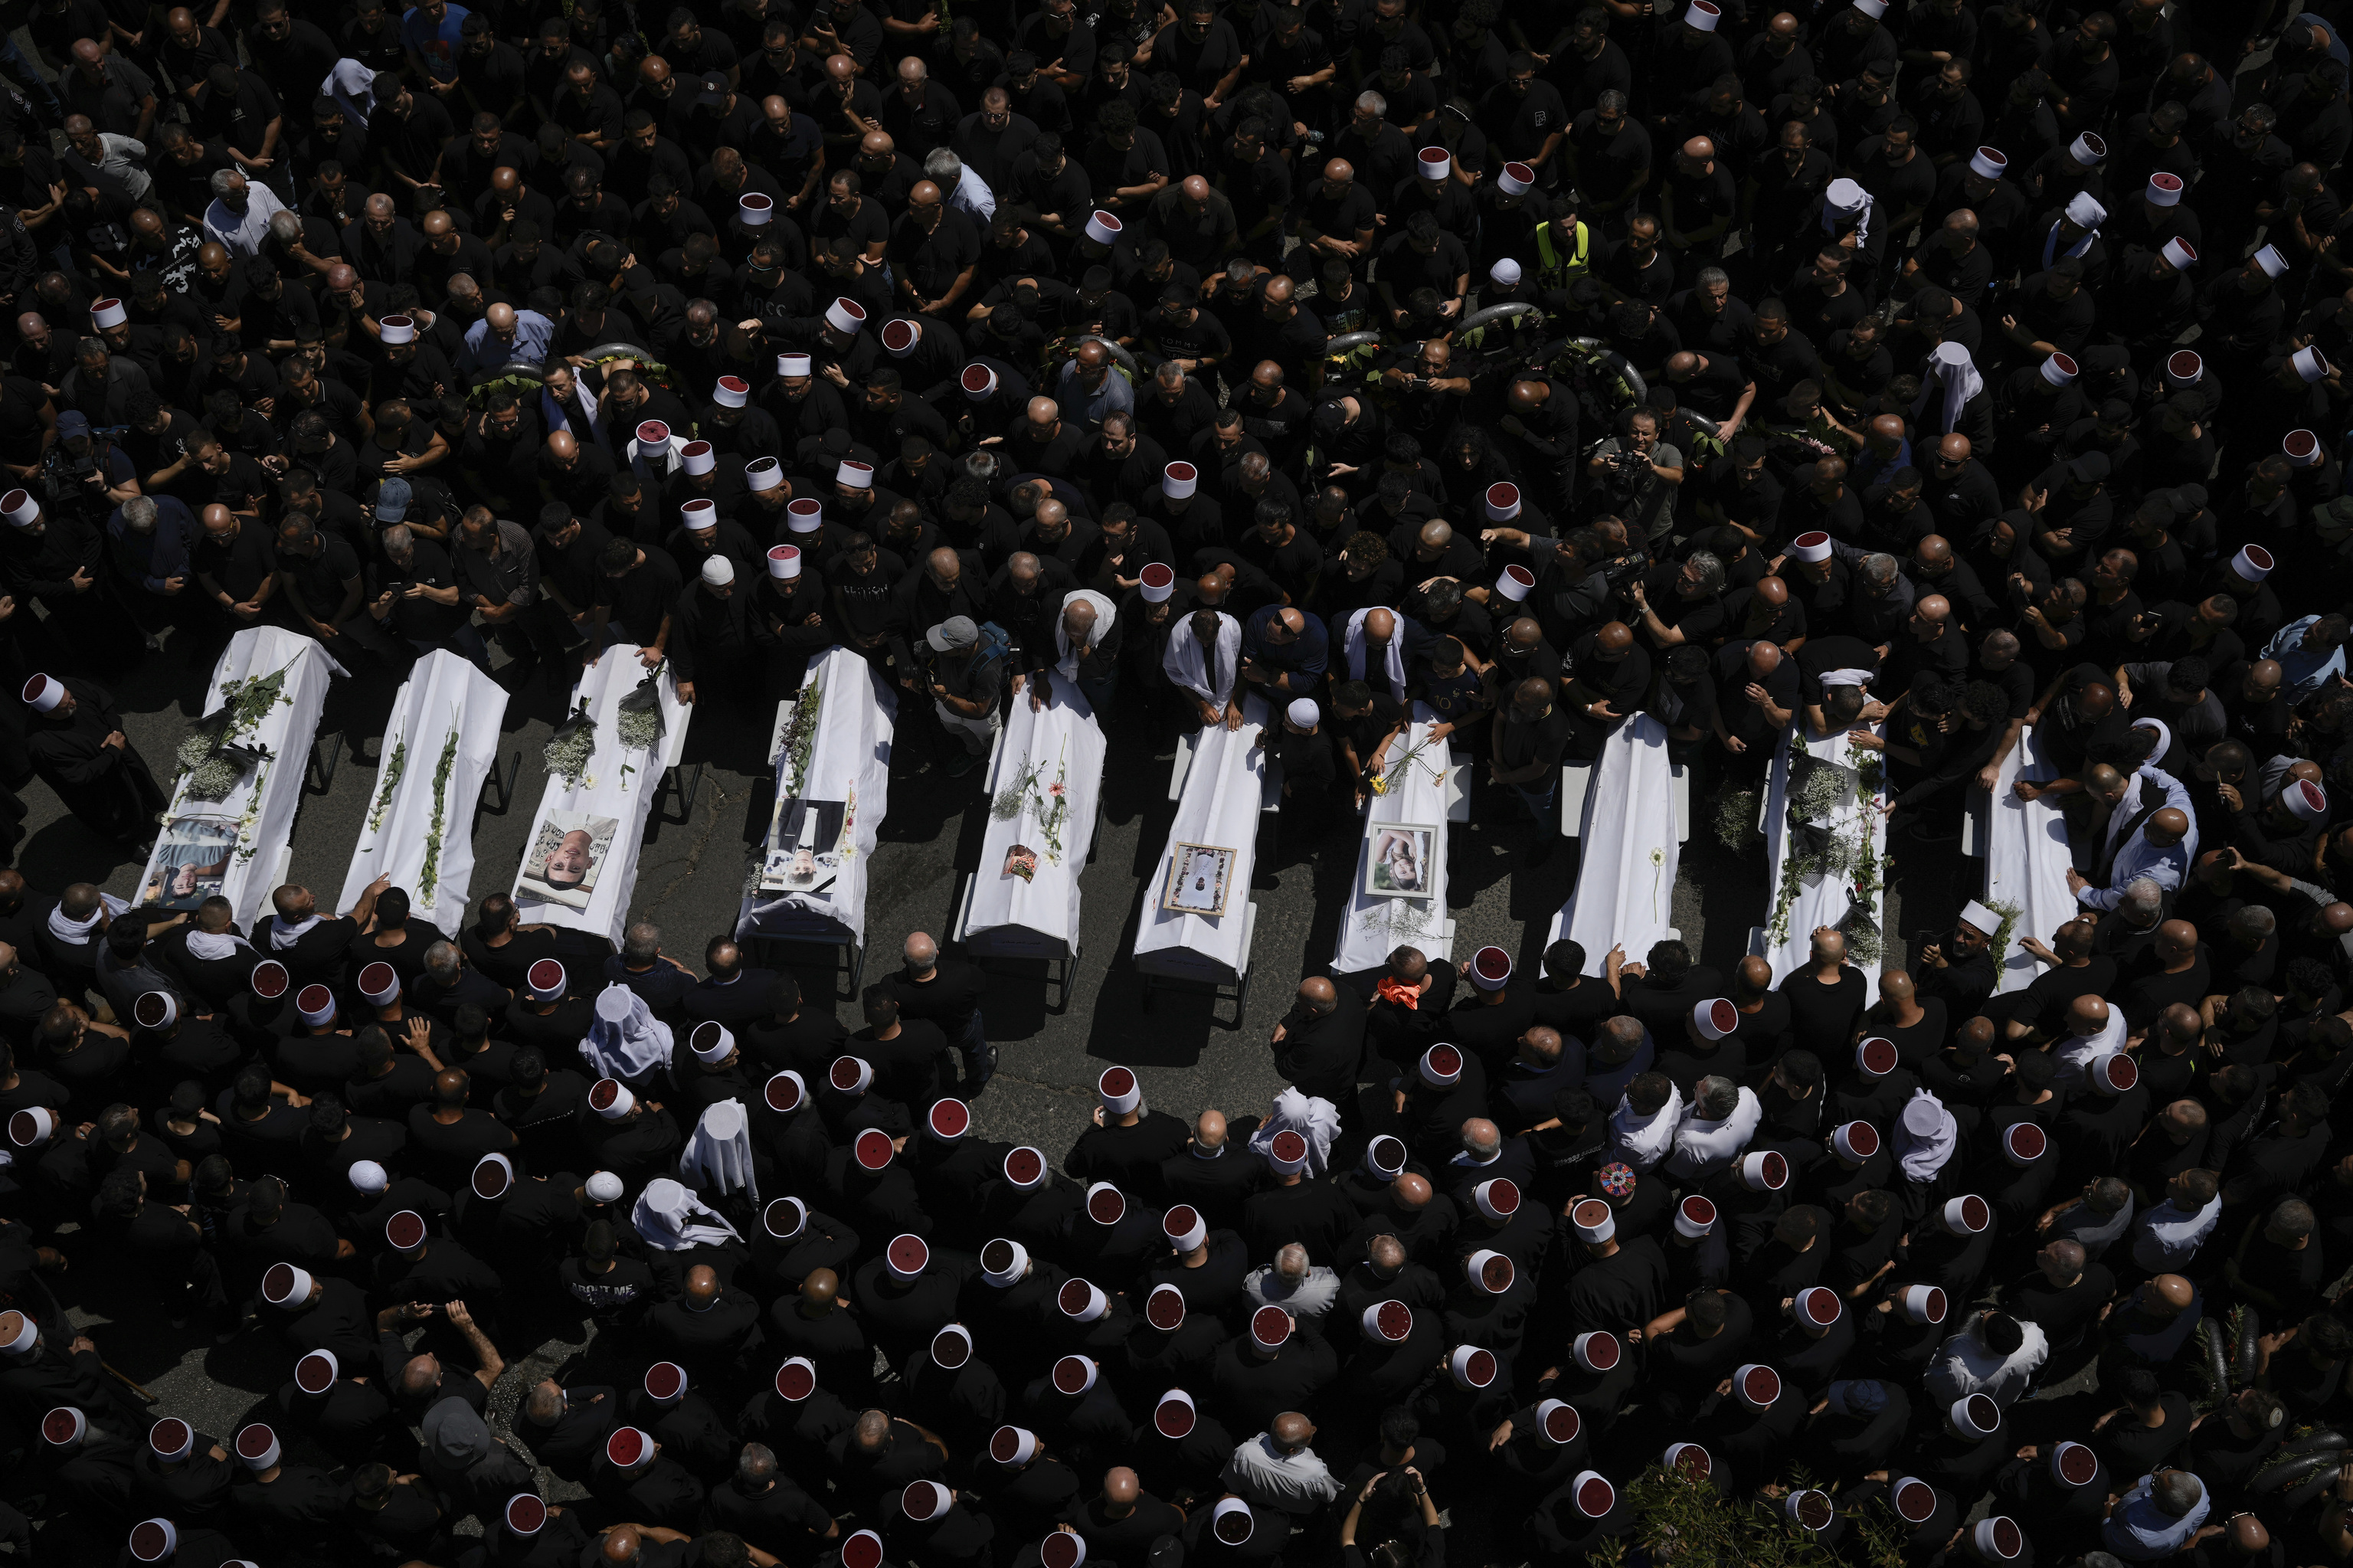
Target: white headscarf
1316,1120
2084,210
1952,369
211,946
1845,201
1352,640
627,1041
352,85
1187,664
1106,613
671,1219
73,932
1926,1136
284,933
718,1158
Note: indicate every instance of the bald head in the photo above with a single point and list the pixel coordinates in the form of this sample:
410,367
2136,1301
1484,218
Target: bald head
620,1545
1121,1486
1409,1190
1292,1430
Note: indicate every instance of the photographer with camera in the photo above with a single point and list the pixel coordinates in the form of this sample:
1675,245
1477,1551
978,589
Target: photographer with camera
86,477
1635,475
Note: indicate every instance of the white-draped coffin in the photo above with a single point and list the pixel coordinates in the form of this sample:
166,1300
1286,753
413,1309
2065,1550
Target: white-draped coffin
1062,745
1625,894
2026,862
621,783
1224,790
1373,924
1821,900
849,761
260,810
444,697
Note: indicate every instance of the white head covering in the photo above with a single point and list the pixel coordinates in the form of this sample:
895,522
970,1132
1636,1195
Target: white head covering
1952,371
626,1041
1846,202
672,1219
352,85
718,1158
1186,663
1926,1136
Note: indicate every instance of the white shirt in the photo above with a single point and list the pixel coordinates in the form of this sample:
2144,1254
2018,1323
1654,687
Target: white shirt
972,194
243,232
1642,1141
124,158
1309,1301
1292,1483
1702,1147
2168,1237
1963,1366
2080,1222
1106,613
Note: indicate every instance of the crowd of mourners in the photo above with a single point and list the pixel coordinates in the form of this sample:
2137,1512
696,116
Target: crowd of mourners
1859,367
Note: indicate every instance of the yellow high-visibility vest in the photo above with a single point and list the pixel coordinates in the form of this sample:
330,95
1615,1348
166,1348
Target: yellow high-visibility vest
1557,268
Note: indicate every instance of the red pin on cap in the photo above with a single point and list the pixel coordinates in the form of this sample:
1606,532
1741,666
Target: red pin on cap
405,1231
315,1374
1106,1205
1074,1375
526,1515
1491,964
1723,1015
898,336
1445,1061
1061,1550
545,975
1394,1319
2078,1463
665,1379
978,379
652,433
170,1437
626,1447
1289,1147
1075,1297
1164,1308
376,978
863,1550
909,1255
2026,1142
313,999
1915,1500
1878,1056
270,980
1763,1385
950,1118
795,1381
1025,1165
1116,1083
1561,1424
845,1074
783,1092
255,1442
873,1149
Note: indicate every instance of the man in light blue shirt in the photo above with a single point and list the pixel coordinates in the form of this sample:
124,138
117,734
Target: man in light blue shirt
2158,1517
503,336
2150,832
2309,652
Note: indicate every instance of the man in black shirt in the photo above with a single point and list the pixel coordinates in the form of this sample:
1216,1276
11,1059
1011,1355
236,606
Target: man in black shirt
946,991
1531,732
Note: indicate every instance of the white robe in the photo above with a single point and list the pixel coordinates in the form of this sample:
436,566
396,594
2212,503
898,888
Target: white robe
1642,1141
1703,1148
672,1219
1186,663
718,1158
1352,640
626,1041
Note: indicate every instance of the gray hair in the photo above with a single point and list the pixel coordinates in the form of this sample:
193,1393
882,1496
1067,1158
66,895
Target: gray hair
1716,1098
442,961
944,165
225,180
398,537
641,943
1292,1263
1711,570
140,512
2178,1491
1709,276
1372,104
1879,569
2142,896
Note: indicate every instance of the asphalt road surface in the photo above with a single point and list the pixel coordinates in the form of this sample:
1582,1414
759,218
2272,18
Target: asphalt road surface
689,882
